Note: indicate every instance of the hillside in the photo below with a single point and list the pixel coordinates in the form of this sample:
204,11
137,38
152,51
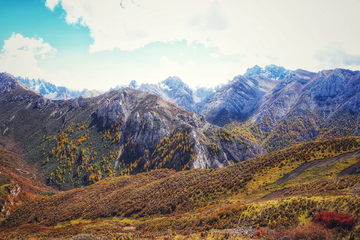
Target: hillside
19,183
282,189
77,142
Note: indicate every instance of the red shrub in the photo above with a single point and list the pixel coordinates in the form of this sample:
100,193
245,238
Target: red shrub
16,199
260,232
335,220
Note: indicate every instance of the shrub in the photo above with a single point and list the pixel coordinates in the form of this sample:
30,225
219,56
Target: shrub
335,220
307,232
310,232
260,232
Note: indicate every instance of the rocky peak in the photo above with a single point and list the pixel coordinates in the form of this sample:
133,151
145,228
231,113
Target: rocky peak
270,71
8,83
173,85
133,84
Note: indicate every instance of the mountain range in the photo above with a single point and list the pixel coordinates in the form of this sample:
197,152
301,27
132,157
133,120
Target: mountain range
52,91
272,106
272,153
132,131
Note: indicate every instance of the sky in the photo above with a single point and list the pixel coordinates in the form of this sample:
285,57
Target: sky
100,44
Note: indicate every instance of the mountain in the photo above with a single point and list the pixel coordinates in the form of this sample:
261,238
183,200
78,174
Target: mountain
89,94
305,106
202,92
79,141
283,193
174,90
52,91
133,84
238,100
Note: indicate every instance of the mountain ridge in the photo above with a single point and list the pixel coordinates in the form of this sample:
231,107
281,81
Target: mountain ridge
54,92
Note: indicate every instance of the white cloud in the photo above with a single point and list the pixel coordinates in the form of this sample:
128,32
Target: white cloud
19,55
52,4
214,55
289,31
195,75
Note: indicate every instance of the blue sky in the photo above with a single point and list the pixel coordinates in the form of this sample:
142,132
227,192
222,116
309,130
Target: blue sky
100,44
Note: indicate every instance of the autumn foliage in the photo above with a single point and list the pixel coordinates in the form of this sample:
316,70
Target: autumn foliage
335,220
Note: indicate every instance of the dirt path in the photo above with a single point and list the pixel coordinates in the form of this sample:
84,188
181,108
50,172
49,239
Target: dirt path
352,170
274,195
316,163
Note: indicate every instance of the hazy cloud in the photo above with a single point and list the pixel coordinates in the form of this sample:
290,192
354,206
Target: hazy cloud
336,55
211,19
214,55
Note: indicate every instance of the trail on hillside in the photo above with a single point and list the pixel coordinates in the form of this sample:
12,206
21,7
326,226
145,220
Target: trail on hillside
316,163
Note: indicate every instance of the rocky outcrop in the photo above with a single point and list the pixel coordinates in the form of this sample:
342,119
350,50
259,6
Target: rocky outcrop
11,200
112,111
7,82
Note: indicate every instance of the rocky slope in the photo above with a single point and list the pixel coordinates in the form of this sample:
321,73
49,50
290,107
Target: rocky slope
174,90
238,100
79,141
